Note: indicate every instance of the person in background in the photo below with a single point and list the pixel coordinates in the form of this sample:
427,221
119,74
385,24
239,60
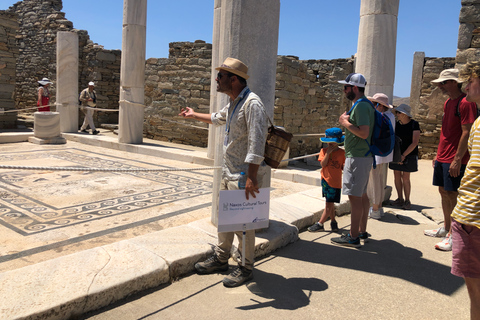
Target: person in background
43,96
452,155
358,123
332,159
378,176
408,130
243,151
466,214
88,98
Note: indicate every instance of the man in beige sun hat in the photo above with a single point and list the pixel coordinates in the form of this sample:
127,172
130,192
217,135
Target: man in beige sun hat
378,176
452,155
88,98
246,126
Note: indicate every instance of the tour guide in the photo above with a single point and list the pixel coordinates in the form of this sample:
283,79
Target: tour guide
246,126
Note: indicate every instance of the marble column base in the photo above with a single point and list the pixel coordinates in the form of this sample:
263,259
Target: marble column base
55,140
46,128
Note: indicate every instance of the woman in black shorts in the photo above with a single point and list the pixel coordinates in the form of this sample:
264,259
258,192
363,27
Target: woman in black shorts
408,130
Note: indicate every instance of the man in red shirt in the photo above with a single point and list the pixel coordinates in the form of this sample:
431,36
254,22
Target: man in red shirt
452,155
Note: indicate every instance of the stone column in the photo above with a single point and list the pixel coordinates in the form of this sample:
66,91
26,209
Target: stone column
377,40
417,78
248,32
213,85
132,72
67,80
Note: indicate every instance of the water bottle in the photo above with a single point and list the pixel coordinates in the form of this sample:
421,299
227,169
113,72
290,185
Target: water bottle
242,180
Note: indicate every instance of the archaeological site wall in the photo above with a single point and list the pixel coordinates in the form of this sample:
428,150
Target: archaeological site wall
428,102
182,80
39,21
8,57
308,98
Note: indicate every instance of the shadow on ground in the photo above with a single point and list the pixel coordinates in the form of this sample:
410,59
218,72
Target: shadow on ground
383,257
286,294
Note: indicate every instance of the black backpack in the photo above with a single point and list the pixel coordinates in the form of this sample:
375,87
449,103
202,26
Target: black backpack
457,112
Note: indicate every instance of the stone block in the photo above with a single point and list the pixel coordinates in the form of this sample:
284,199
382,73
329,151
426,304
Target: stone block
47,125
464,56
465,35
475,41
470,13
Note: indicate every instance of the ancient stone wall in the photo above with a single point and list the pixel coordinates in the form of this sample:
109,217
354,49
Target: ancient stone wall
39,21
469,33
309,99
8,56
431,101
182,80
430,107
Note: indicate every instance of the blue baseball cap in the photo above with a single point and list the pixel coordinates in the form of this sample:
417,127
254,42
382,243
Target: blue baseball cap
333,135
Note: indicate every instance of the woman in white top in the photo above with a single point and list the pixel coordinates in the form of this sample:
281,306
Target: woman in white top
378,176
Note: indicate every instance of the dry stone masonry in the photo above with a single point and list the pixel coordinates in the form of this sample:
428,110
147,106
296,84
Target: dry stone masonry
182,80
8,57
39,21
429,105
308,98
431,100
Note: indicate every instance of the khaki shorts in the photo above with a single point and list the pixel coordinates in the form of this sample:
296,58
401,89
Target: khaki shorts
355,176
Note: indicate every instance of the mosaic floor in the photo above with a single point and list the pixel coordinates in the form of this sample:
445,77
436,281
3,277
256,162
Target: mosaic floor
29,199
46,213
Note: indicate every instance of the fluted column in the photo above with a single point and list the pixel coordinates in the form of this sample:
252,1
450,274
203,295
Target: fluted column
67,80
377,40
132,72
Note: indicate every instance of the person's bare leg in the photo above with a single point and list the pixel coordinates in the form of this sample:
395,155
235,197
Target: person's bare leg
329,209
473,286
364,218
398,183
449,201
357,209
407,187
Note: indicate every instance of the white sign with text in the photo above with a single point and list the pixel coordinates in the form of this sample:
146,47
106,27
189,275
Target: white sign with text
236,213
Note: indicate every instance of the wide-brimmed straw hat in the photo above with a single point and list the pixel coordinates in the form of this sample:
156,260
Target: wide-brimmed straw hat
381,98
405,109
44,81
333,135
235,66
447,74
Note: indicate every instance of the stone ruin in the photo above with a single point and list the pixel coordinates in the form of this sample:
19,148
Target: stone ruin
307,97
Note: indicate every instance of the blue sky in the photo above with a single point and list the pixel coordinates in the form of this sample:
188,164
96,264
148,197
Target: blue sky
309,29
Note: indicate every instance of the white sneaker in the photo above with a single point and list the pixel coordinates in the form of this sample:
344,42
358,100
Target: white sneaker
374,214
439,233
445,244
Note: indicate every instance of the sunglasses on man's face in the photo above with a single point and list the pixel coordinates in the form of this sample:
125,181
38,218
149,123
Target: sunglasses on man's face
347,86
220,75
443,82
